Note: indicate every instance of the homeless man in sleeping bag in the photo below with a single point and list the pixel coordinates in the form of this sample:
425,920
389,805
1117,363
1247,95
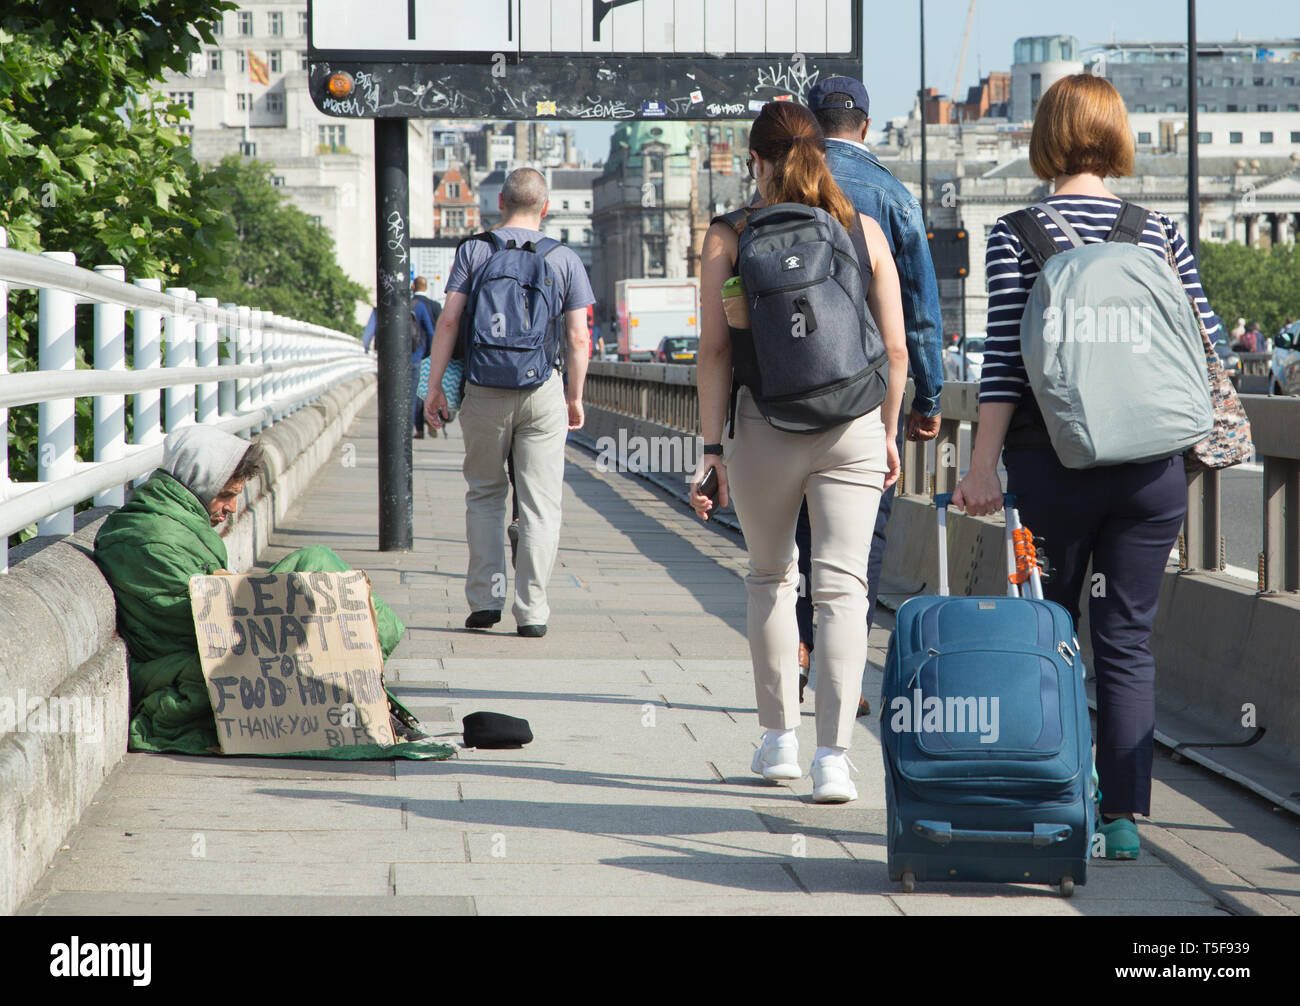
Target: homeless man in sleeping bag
149,549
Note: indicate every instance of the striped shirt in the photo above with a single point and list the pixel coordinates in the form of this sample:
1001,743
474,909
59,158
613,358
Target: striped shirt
1011,274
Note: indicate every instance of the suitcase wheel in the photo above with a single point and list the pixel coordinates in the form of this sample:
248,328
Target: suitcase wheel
1067,886
909,881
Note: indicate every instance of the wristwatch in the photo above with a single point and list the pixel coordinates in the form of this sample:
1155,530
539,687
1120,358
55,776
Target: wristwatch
713,449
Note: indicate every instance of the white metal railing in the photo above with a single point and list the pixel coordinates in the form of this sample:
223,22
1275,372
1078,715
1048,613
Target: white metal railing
271,366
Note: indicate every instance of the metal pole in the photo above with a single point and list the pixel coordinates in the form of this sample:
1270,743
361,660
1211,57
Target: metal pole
1193,141
712,204
393,334
110,410
925,201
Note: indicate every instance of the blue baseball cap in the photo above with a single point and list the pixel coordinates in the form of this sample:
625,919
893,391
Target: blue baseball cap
855,89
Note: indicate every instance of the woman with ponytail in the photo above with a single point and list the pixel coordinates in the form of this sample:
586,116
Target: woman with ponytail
841,470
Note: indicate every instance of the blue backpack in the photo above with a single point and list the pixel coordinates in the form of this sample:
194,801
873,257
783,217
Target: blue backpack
511,328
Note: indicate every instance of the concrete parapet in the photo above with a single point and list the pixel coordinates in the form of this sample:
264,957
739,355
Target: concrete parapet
63,668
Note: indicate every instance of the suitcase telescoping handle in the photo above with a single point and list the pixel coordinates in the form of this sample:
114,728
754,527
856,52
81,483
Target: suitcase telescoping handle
943,833
1034,587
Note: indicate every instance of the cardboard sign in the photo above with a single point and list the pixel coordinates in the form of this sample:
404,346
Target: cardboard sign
292,661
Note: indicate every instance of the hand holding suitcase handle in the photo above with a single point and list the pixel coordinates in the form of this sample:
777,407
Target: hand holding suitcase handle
1034,584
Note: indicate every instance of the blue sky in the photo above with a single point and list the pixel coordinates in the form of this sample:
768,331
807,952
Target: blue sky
891,48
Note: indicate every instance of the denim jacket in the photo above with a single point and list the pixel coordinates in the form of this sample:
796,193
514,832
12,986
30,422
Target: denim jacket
878,194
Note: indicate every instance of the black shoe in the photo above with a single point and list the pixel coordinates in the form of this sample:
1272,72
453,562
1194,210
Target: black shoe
483,619
512,532
532,631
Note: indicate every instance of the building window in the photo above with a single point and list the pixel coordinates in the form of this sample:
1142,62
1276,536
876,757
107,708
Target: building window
586,204
1204,138
1263,108
1202,108
219,26
185,98
273,57
248,149
242,59
1234,137
1139,108
245,22
1230,108
1144,138
586,237
1266,137
275,103
241,101
1295,136
1166,81
185,128
1171,108
1293,108
316,221
333,137
277,181
214,59
274,23
302,22
303,62
1259,81
564,235
565,205
453,190
1288,82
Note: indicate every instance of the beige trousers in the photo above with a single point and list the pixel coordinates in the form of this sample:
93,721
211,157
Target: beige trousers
534,423
841,471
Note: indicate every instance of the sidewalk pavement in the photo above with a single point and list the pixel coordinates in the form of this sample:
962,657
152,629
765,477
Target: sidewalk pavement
636,796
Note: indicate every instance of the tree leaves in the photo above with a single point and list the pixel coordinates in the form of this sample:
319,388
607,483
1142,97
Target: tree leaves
1260,285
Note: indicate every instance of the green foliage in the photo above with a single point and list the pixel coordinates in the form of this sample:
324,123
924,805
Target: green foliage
1257,284
283,262
89,162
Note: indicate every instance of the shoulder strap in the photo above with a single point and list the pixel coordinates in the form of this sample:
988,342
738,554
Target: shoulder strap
545,246
859,239
1034,237
1130,223
1054,215
735,219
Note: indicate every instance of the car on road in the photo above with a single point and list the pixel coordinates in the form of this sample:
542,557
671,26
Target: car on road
677,349
1231,362
1284,369
974,359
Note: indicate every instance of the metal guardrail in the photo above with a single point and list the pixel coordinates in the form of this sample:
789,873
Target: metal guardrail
665,394
228,365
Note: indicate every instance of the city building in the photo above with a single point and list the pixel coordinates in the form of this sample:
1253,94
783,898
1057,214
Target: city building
655,196
247,95
455,209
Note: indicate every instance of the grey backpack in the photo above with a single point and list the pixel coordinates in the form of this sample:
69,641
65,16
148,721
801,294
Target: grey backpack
1111,345
812,357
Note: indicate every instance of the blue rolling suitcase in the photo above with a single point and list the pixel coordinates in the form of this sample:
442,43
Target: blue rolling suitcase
986,737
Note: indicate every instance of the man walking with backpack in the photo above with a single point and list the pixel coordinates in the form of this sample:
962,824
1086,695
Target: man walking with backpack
518,301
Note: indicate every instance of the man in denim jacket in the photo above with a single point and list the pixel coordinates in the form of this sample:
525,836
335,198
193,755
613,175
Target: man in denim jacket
841,106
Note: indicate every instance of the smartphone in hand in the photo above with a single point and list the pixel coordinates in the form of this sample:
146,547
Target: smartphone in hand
709,485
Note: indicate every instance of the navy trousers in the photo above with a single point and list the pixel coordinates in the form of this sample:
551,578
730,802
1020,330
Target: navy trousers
1124,519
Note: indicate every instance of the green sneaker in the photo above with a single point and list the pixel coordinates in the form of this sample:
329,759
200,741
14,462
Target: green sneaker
1121,838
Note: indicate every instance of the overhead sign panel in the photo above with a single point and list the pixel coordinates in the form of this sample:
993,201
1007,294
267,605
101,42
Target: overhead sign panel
575,59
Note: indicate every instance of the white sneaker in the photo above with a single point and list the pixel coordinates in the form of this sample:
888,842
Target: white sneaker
777,760
831,782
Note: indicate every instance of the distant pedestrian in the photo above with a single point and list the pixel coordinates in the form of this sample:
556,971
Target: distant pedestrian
368,333
424,316
523,297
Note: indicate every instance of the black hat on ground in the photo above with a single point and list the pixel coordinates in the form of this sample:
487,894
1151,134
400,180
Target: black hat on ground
496,730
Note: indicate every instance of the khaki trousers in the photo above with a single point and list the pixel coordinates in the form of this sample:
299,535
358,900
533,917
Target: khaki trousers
841,471
534,423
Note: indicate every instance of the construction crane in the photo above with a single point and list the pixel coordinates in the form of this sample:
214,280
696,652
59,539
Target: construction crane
961,60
